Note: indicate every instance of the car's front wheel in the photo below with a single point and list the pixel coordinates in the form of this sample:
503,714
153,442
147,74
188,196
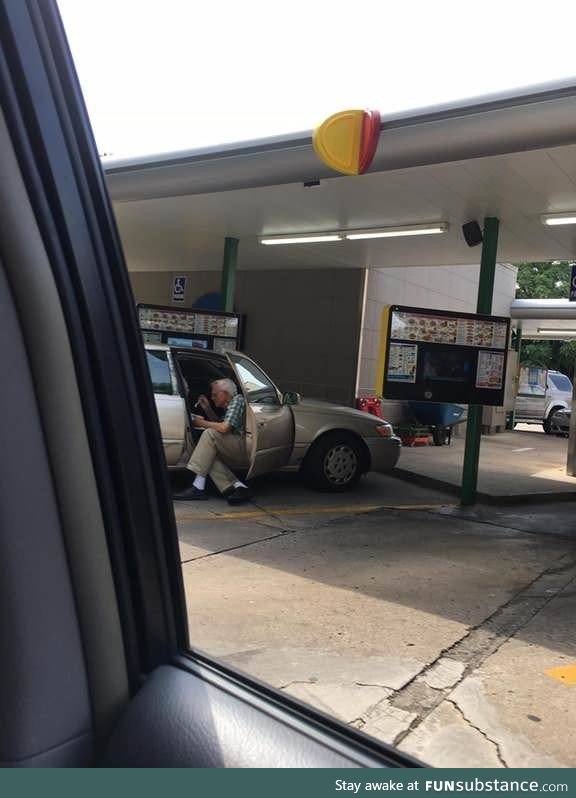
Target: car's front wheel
334,463
548,424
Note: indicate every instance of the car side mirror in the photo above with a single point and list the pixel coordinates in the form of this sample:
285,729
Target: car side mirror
291,398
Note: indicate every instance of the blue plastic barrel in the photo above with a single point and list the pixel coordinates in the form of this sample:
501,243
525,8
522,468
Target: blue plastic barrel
437,414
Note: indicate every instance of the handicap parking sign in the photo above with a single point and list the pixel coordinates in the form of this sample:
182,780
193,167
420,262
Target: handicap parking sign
178,289
573,283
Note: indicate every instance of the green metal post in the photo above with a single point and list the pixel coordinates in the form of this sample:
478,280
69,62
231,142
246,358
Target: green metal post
484,305
229,273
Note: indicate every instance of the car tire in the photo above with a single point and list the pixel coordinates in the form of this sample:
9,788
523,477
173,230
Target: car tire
334,464
547,423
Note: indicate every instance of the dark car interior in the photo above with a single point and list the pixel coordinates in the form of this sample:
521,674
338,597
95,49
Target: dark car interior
198,371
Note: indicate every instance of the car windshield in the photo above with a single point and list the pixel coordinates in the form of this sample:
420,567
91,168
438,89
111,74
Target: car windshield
560,381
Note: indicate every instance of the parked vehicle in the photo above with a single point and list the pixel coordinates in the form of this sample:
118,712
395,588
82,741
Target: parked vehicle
331,446
536,404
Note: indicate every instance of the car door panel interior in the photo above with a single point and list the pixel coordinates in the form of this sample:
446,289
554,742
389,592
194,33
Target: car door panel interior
204,725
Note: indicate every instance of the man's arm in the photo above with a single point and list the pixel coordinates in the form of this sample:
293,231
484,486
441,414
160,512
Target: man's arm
220,426
204,403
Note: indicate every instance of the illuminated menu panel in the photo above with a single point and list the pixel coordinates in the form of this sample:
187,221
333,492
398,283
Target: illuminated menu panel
436,329
188,322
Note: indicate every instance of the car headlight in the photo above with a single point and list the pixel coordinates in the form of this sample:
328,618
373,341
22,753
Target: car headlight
384,430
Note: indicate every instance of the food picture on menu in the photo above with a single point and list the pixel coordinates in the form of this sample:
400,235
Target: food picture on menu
490,370
402,362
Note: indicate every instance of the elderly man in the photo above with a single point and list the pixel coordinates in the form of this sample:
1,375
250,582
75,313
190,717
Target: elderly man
221,440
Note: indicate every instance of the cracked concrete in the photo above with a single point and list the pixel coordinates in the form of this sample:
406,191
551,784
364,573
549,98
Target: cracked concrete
514,750
454,702
419,629
445,673
348,702
327,667
386,722
446,740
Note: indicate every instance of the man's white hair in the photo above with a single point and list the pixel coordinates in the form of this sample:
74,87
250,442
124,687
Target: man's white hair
227,385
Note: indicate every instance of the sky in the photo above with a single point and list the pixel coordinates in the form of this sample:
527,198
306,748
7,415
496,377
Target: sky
182,74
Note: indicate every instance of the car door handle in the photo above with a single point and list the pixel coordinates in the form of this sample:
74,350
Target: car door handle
261,423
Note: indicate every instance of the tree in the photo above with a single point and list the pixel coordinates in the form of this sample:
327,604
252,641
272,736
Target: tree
543,280
567,358
546,281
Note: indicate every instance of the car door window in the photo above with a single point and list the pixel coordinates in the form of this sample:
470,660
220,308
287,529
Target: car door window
258,388
160,371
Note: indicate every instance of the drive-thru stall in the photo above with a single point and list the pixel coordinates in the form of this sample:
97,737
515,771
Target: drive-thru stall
307,299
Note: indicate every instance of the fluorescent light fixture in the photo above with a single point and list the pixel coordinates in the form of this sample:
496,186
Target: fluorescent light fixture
397,232
558,218
313,238
560,333
355,235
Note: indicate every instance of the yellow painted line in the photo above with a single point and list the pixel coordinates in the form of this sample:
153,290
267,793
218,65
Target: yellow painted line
565,674
273,511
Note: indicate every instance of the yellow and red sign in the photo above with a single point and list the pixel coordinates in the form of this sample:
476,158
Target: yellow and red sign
347,141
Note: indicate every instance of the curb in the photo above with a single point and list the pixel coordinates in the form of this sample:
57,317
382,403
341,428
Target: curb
484,498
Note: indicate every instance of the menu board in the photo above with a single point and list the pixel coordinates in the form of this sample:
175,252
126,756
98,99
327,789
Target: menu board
402,363
490,370
443,357
202,323
436,329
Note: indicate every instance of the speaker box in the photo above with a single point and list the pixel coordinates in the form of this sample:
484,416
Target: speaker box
472,233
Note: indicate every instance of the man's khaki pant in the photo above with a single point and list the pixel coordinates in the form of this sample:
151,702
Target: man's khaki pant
206,457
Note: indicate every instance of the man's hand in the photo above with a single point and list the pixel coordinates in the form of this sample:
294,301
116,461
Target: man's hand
220,426
204,402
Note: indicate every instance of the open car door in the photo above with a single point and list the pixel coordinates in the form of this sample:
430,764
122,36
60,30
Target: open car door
269,423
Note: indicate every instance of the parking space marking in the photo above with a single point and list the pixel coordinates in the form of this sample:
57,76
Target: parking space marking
276,511
565,674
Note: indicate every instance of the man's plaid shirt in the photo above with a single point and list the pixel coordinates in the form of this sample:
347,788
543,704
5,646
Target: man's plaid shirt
236,414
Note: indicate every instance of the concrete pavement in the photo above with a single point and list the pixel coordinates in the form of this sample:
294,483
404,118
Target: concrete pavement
431,628
523,463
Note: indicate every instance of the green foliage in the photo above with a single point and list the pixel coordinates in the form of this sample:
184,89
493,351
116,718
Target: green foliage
537,353
543,280
546,281
567,358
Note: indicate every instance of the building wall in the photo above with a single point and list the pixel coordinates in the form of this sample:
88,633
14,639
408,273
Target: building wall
302,326
443,288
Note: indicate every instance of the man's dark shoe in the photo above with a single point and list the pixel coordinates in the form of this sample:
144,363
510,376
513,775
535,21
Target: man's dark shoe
239,495
191,495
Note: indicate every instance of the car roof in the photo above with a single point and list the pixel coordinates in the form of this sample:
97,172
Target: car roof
163,347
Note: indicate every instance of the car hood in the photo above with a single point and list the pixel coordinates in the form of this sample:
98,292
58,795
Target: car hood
318,407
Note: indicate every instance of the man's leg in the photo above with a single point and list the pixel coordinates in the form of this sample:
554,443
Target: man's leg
205,461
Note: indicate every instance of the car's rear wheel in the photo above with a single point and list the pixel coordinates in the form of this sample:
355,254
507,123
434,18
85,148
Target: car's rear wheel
334,463
547,423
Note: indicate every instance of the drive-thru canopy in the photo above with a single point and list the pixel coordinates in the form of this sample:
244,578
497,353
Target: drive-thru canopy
511,157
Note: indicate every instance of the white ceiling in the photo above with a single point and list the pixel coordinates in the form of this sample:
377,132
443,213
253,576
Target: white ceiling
187,232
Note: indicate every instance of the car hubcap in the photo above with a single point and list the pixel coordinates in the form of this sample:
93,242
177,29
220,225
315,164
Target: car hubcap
340,464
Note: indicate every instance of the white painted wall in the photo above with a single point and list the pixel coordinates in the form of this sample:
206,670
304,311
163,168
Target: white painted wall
441,288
